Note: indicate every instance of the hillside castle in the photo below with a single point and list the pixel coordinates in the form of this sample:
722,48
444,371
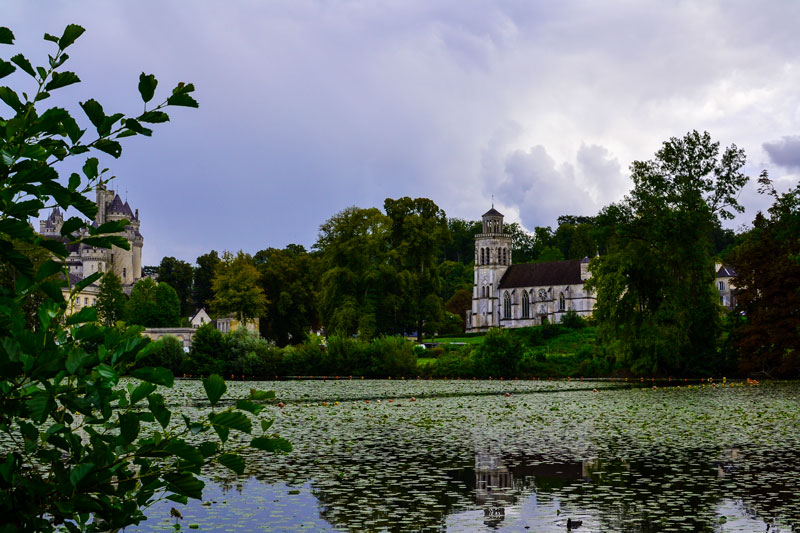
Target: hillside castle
85,260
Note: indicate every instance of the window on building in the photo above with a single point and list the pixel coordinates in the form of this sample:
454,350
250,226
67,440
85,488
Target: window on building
125,274
526,305
482,258
721,285
85,300
506,306
562,302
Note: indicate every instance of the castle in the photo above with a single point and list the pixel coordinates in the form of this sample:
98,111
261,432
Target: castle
513,296
84,259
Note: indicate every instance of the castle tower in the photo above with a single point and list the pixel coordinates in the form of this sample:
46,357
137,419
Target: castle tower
492,259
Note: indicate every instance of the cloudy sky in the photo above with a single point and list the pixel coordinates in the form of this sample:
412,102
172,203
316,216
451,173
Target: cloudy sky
308,107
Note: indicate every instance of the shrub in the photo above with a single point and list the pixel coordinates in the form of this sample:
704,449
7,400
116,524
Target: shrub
171,355
499,355
393,356
455,362
210,353
573,320
252,356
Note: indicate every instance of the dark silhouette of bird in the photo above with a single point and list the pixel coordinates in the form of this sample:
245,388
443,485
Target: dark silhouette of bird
175,513
573,524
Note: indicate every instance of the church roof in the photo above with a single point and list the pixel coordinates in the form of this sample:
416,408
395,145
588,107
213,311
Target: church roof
493,213
542,274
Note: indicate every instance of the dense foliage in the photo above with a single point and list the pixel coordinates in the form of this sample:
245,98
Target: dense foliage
656,302
82,451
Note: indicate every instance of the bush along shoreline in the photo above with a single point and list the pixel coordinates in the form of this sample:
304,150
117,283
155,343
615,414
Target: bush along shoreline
545,351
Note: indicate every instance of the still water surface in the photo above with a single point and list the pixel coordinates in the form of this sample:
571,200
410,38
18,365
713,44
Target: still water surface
464,456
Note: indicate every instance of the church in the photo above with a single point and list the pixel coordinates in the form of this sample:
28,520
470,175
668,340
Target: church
505,295
84,260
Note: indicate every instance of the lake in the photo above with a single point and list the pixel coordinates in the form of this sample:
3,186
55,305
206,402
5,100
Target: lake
509,456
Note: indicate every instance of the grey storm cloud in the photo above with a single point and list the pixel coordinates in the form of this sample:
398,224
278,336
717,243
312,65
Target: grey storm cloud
309,107
785,152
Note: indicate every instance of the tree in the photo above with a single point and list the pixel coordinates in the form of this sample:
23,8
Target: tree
178,274
418,232
290,282
111,301
461,247
767,282
523,243
236,288
73,456
209,353
354,288
459,304
167,307
142,308
202,287
656,302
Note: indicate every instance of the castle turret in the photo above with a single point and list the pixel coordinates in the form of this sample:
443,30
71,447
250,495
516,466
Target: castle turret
492,259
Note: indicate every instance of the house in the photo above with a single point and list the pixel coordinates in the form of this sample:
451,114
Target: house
199,318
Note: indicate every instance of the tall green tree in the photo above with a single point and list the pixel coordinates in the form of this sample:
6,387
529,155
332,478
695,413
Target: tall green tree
418,232
767,283
178,274
74,454
290,280
111,300
154,305
236,288
355,287
203,279
461,247
656,301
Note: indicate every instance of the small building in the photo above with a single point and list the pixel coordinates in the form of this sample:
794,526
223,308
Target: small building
199,318
725,286
230,323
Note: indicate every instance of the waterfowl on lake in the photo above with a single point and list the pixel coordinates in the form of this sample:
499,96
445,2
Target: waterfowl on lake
573,524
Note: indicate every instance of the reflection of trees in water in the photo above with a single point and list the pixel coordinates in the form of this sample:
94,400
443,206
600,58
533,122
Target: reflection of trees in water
651,491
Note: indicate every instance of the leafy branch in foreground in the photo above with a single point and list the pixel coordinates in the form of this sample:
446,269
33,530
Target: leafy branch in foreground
81,448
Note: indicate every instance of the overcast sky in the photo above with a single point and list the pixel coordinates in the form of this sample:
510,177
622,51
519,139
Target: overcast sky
308,107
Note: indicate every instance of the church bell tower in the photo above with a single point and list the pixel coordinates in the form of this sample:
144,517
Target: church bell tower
492,259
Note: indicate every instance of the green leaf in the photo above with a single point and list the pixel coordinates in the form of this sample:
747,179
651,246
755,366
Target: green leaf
141,391
94,111
48,37
134,125
159,409
183,100
71,225
76,359
232,420
90,168
153,117
232,461
261,395
266,424
185,451
112,148
53,246
107,372
11,99
250,407
157,375
129,427
147,86
61,79
184,484
215,388
85,282
115,226
86,314
178,498
40,404
107,241
22,62
49,268
271,445
208,448
6,36
71,32
80,472
6,68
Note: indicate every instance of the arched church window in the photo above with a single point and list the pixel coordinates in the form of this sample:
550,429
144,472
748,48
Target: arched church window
526,305
507,306
562,302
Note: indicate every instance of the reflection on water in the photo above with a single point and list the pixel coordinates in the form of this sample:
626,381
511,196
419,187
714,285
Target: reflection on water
630,463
